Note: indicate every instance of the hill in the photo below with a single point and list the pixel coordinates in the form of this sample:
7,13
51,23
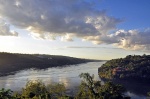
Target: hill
134,67
10,62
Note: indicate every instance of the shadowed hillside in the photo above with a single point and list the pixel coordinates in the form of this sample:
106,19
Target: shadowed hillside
13,62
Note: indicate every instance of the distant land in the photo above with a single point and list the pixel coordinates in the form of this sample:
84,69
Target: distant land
132,67
10,62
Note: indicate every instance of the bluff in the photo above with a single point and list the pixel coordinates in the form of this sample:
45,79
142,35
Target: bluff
132,67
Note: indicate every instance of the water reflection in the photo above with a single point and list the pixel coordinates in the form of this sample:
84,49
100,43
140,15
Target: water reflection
69,76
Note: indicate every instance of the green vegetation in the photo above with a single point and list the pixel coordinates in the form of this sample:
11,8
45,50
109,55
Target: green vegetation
134,67
6,94
9,63
89,89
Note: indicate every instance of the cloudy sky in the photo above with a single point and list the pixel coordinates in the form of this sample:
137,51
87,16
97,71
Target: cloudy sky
95,29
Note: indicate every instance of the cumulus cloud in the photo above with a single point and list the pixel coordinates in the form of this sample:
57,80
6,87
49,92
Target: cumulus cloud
129,40
5,29
67,37
48,19
134,40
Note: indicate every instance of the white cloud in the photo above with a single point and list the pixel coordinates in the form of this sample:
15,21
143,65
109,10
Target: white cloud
5,29
48,19
57,17
129,40
67,37
135,40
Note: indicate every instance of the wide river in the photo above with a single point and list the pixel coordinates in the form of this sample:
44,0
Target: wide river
68,75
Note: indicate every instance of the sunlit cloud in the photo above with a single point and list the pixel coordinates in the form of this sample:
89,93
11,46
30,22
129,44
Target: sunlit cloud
58,18
126,39
69,19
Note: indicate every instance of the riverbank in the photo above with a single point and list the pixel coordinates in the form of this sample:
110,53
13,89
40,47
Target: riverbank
10,62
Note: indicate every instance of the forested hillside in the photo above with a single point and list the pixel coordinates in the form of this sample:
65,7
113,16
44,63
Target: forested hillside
13,62
134,67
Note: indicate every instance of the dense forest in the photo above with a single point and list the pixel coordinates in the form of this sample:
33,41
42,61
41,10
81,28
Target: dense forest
132,67
88,89
10,62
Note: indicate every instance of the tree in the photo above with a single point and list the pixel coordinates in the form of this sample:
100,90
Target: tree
38,90
56,90
88,87
6,94
35,90
91,89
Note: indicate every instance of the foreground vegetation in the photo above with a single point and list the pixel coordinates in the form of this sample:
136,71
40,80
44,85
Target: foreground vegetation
10,62
134,67
88,89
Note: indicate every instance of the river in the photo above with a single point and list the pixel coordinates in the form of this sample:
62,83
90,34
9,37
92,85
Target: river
68,75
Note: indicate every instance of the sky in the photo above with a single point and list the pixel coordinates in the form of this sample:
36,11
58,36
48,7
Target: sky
93,29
